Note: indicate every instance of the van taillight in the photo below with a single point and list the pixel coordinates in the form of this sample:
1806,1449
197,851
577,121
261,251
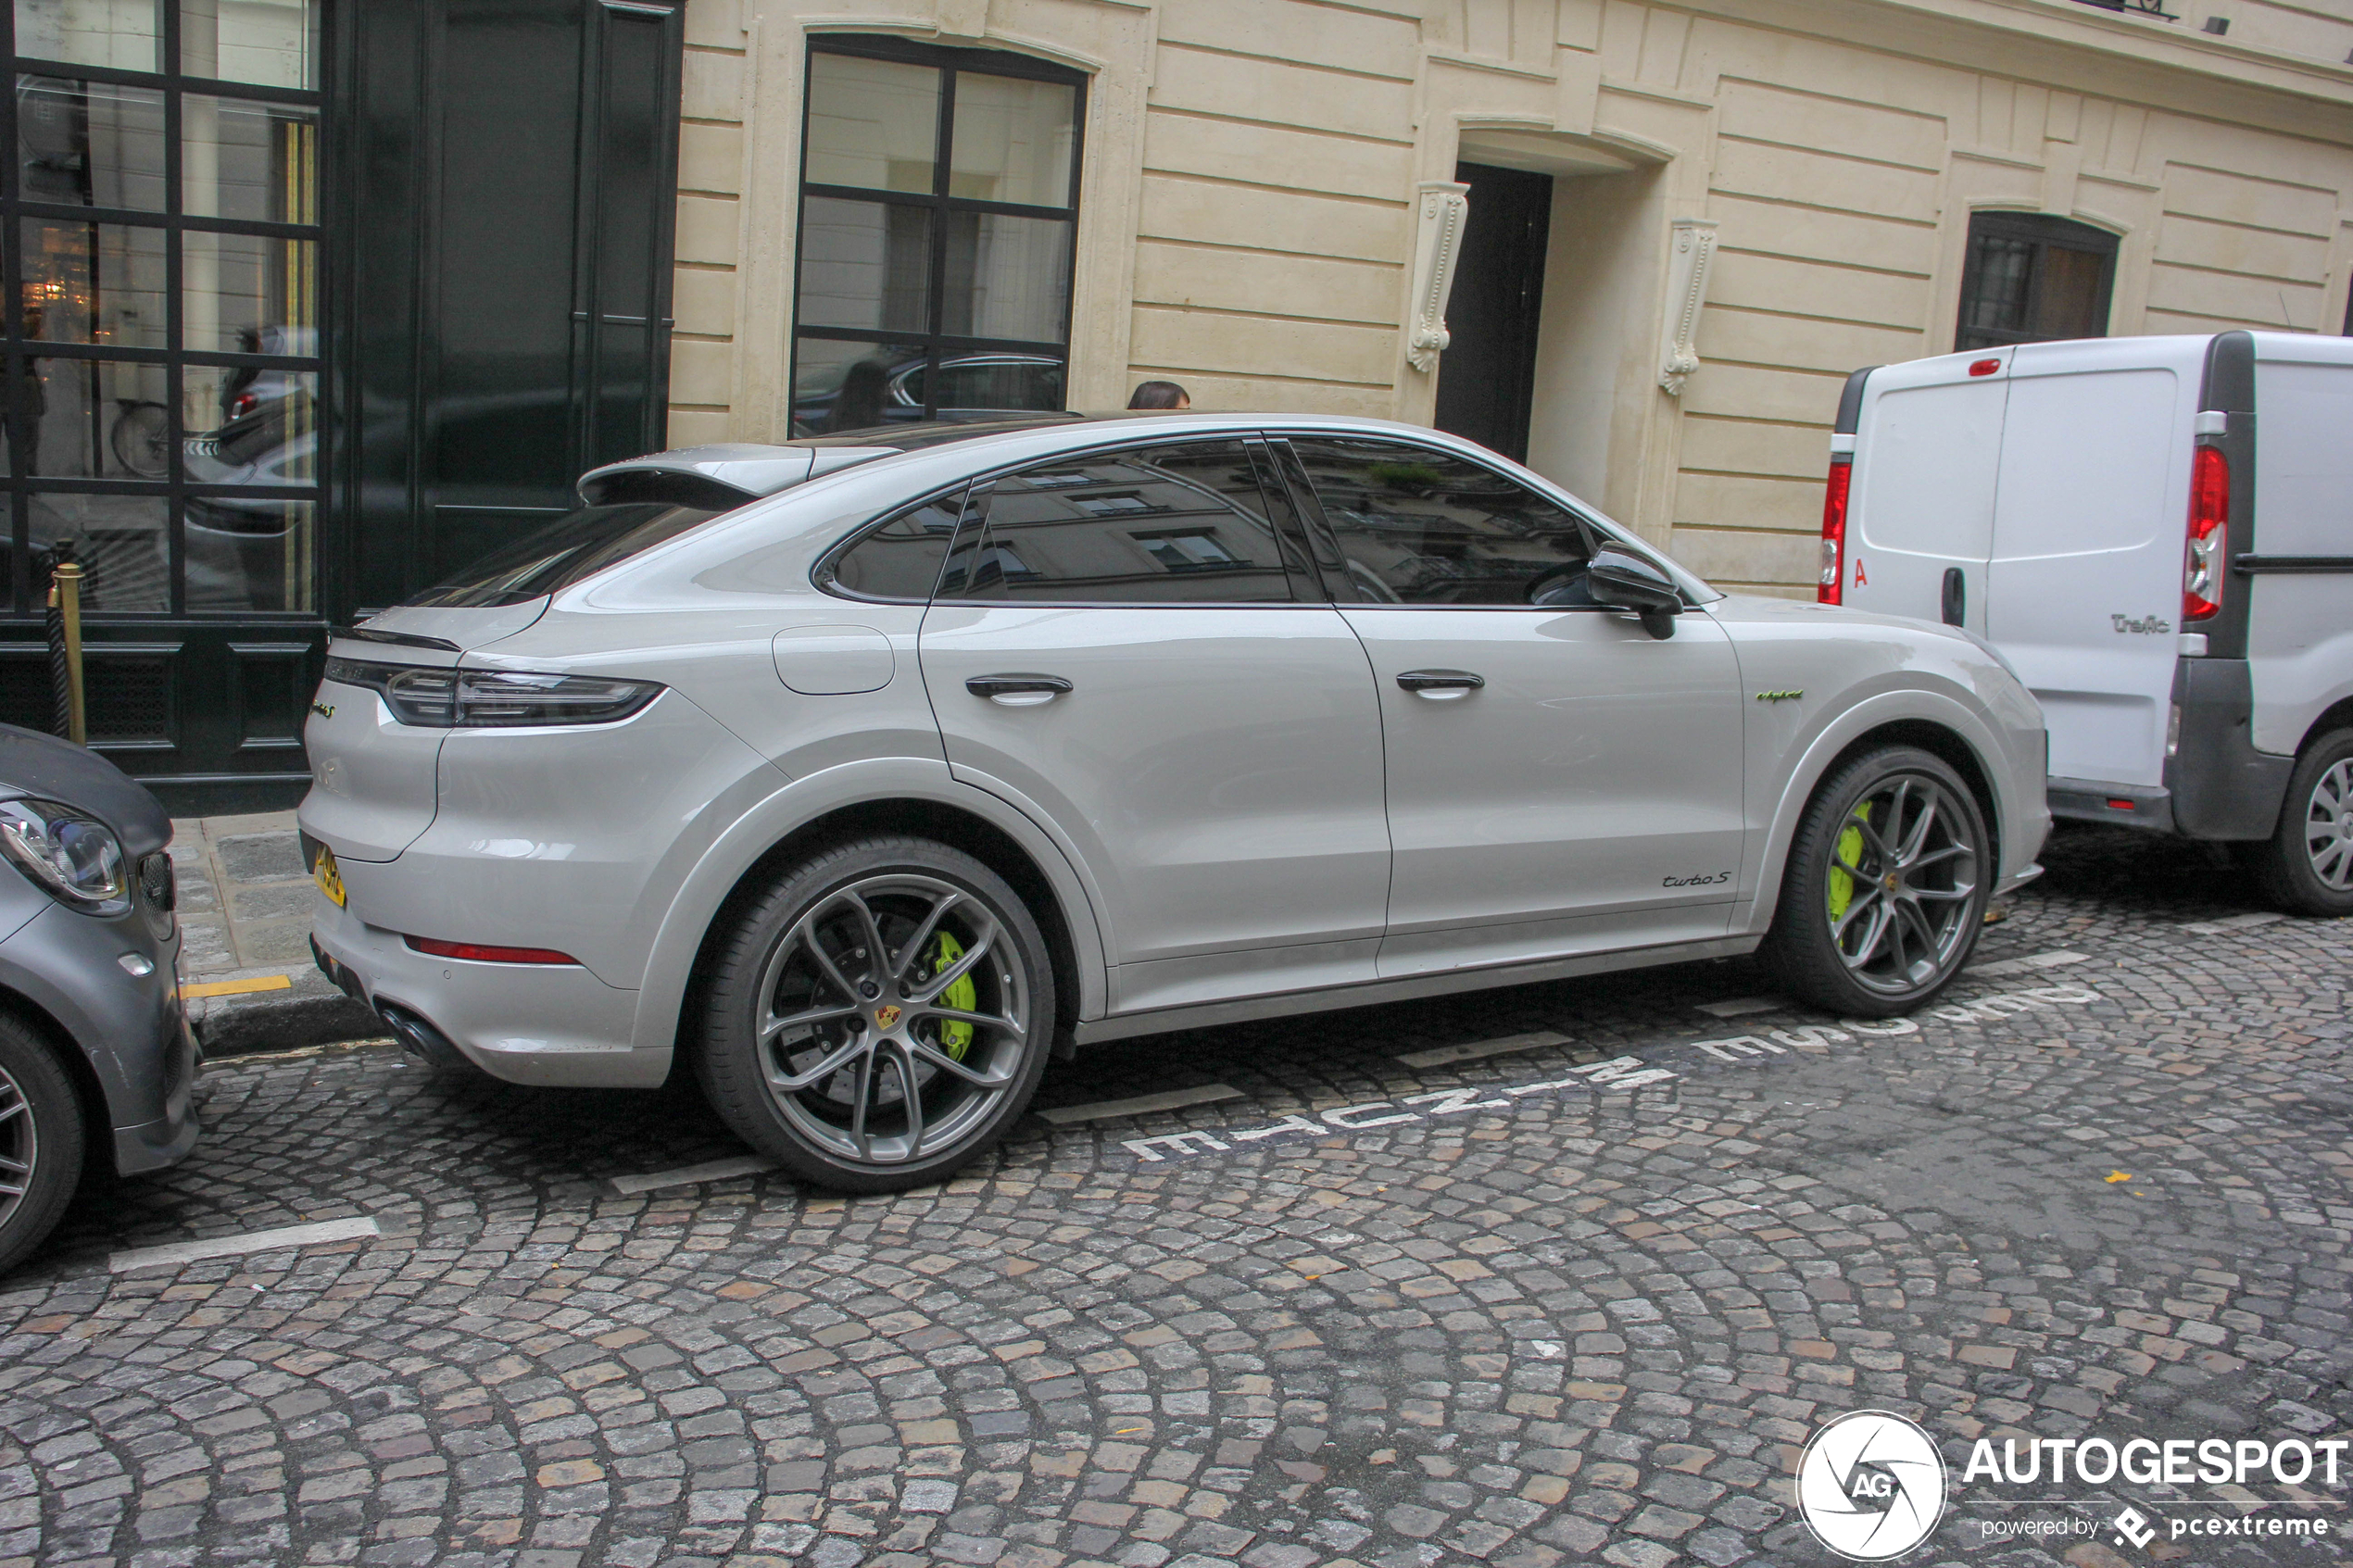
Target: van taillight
2210,509
1834,530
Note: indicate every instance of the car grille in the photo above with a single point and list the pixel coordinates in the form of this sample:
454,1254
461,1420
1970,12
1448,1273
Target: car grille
158,886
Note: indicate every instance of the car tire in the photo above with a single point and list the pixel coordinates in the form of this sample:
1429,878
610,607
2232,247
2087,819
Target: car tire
826,999
1870,926
41,1141
2305,867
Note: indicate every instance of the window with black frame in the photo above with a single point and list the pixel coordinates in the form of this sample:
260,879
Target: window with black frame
939,221
2033,279
162,240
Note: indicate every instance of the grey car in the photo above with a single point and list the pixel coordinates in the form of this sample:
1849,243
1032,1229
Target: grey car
860,775
95,1047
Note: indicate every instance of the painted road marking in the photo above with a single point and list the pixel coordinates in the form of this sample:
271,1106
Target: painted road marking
2030,962
1170,1100
1738,1005
688,1175
1817,1039
237,988
2234,922
1620,1073
1442,1056
172,1254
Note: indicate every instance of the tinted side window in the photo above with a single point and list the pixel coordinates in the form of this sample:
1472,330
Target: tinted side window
1177,524
901,558
1420,526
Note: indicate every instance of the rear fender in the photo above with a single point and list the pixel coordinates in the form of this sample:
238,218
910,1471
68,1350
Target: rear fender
669,967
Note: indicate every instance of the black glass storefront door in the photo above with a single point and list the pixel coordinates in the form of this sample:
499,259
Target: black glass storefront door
307,305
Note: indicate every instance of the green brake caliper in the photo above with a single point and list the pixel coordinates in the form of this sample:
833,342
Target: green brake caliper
1850,852
955,1038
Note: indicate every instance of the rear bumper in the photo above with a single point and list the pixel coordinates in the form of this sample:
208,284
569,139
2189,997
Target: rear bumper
553,1025
2132,805
2223,787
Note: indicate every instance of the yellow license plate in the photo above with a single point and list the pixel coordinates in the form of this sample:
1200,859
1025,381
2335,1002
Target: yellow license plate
329,878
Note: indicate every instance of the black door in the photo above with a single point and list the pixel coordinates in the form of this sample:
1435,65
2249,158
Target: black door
1487,378
509,309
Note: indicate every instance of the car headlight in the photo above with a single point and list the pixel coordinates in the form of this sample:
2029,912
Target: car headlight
492,699
68,853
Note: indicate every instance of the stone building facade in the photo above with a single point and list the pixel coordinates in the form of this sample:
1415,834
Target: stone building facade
1250,180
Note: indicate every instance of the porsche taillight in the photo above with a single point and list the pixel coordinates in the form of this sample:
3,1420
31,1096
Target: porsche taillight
2210,511
1831,589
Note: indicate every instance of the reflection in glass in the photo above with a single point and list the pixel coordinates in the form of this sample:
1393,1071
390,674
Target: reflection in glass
865,264
89,144
120,34
248,160
839,386
245,293
122,542
249,427
872,123
94,282
1013,140
982,385
273,43
1007,277
90,419
245,554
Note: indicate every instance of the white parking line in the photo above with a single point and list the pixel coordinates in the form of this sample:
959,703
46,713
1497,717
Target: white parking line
1442,1056
172,1254
1171,1099
688,1175
2030,962
1738,1005
2232,922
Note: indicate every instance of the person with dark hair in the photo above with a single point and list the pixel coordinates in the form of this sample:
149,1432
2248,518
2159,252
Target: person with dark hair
858,404
1160,394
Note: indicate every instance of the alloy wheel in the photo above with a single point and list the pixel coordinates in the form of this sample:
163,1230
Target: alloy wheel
20,1147
892,1017
1903,884
2328,827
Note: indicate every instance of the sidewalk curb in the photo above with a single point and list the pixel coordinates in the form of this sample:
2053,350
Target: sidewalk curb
309,1012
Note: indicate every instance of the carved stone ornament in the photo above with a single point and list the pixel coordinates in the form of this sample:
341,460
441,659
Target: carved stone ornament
1695,246
1442,209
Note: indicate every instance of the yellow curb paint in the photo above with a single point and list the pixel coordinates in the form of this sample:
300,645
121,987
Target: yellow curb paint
238,987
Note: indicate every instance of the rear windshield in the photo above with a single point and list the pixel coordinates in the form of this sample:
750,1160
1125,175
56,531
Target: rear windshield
555,556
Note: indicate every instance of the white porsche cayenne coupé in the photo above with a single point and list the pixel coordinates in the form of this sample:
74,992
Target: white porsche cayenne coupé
866,773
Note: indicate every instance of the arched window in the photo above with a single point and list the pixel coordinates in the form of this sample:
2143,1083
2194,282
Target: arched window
939,223
2031,279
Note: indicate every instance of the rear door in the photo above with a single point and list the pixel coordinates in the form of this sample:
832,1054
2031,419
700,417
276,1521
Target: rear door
2085,590
1921,516
1122,645
2299,626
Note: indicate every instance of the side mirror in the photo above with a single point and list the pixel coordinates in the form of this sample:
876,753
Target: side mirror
1628,581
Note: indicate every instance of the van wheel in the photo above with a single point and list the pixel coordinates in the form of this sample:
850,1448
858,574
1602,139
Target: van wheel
2306,866
1886,887
879,1016
40,1139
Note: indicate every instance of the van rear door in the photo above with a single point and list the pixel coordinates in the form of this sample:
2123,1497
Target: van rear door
2299,624
2084,587
1920,509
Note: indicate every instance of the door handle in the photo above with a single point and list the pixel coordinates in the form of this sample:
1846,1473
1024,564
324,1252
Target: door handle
1956,598
1017,690
1442,685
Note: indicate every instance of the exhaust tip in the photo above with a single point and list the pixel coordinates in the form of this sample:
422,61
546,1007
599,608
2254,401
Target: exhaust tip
421,1040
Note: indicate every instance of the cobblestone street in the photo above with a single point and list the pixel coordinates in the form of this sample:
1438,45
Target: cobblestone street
1562,1274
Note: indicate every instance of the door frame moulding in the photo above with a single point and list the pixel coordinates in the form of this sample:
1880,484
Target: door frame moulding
1112,45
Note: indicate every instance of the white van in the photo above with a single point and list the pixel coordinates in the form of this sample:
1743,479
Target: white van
2157,534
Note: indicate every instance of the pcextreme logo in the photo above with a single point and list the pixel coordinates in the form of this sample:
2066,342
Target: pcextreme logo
1871,1486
